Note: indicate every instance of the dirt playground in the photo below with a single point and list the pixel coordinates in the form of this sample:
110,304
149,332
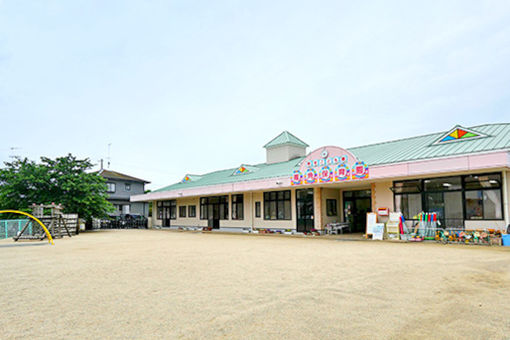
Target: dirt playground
144,284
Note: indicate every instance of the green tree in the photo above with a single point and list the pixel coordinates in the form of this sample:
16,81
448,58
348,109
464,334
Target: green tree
63,180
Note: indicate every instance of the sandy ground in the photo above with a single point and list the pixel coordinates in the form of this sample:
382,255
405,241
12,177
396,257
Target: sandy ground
142,284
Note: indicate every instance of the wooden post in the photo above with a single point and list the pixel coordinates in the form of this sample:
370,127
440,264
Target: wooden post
373,197
16,238
65,225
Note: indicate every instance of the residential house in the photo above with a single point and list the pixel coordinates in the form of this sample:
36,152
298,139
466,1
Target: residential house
120,188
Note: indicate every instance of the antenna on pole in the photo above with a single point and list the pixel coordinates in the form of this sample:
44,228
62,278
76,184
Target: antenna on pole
109,158
13,154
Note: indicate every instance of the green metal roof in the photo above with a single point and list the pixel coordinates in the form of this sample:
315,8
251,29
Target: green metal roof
397,151
285,138
225,176
423,147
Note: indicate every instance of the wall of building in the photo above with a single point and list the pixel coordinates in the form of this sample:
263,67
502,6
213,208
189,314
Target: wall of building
284,153
382,197
121,193
330,194
248,221
473,224
121,196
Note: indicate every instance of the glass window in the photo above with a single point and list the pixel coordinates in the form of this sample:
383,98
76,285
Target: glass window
173,209
110,187
474,205
223,211
492,205
443,184
280,209
214,207
257,209
482,181
288,209
362,193
453,209
483,197
408,204
331,207
127,186
455,198
483,204
159,206
272,212
277,205
192,211
203,208
237,207
182,211
407,187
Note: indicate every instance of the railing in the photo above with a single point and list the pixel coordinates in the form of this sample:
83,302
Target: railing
124,224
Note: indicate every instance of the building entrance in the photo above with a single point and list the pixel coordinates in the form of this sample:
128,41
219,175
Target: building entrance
356,206
304,209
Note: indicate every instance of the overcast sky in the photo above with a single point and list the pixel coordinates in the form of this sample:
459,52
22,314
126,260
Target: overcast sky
194,86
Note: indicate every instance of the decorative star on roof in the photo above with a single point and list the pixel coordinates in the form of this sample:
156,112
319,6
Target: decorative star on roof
244,169
190,178
459,133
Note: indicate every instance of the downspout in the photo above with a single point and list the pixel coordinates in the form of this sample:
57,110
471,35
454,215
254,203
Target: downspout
252,212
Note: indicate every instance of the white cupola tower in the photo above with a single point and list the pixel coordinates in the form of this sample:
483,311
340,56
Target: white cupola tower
284,147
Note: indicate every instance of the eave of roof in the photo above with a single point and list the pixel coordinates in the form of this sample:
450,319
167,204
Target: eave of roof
110,174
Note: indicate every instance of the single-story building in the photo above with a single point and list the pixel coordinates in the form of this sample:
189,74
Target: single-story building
461,174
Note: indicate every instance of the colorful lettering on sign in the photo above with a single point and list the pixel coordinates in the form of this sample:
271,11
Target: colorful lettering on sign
326,161
310,176
342,173
329,170
326,175
359,170
297,178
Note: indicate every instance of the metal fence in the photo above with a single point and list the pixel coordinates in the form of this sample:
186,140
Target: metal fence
10,228
124,224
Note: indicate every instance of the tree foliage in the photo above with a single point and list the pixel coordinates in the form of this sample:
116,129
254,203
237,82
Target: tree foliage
63,180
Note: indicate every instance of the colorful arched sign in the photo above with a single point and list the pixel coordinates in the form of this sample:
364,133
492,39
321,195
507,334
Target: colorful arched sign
327,165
